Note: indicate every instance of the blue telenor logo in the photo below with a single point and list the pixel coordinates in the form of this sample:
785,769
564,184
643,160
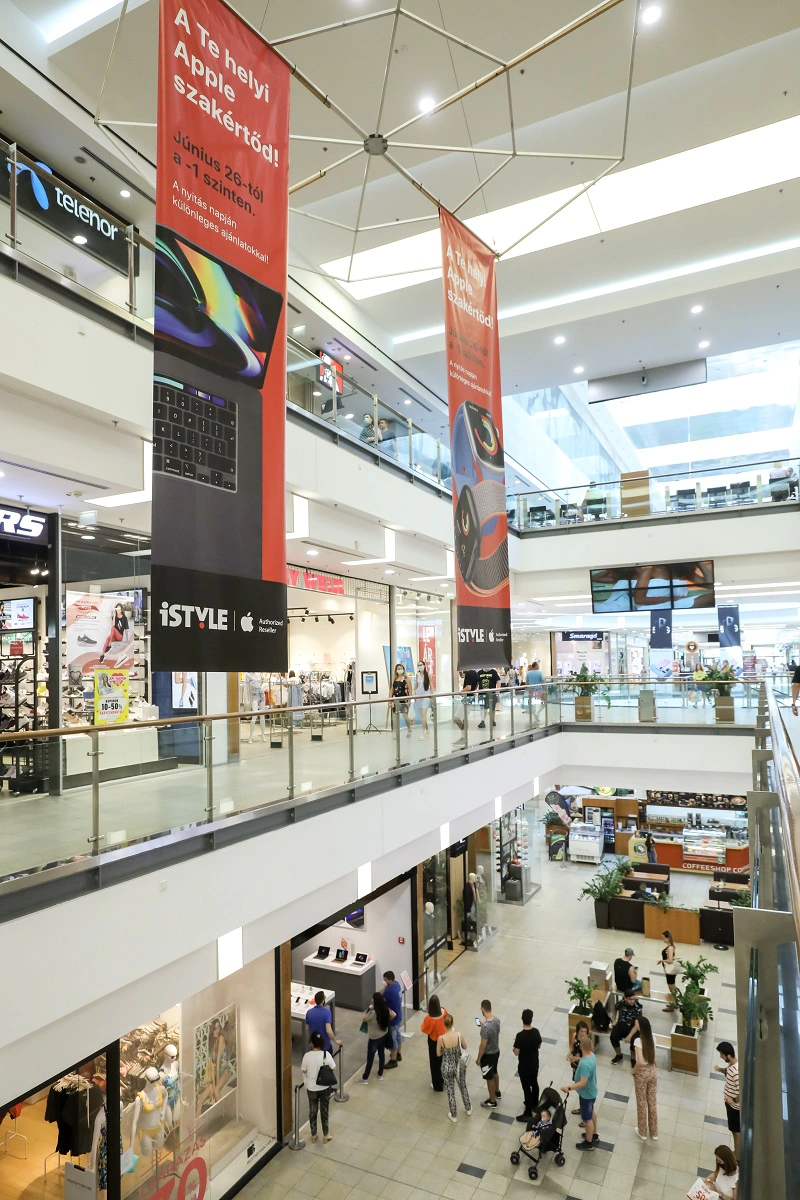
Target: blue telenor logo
42,199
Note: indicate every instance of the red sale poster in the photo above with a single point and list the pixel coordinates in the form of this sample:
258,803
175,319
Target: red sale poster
476,446
427,650
218,549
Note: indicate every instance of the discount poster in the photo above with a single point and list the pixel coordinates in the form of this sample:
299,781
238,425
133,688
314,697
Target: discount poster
111,697
218,549
476,447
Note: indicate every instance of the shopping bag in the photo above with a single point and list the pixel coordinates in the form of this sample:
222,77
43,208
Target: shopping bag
700,1191
363,1027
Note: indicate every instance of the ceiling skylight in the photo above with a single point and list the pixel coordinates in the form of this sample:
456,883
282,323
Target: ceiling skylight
716,171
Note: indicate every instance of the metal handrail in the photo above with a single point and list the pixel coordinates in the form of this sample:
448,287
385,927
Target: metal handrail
340,1095
522,691
748,1096
296,1142
787,786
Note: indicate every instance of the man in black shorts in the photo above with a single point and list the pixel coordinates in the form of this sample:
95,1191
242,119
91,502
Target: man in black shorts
488,1054
731,1094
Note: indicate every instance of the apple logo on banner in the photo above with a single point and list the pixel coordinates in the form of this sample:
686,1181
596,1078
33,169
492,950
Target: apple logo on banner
246,623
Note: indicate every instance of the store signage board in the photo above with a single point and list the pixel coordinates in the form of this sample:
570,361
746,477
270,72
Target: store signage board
330,373
22,525
582,635
218,558
41,195
17,614
480,523
314,581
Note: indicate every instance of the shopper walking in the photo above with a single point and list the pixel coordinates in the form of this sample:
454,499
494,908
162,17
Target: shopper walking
319,1094
672,967
724,1180
585,1084
731,1092
629,1010
451,1049
434,1027
526,1048
488,683
795,689
645,1083
401,693
394,998
650,846
376,1025
422,694
489,1054
469,685
574,1055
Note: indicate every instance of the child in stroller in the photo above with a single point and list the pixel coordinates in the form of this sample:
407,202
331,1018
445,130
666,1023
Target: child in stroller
544,1133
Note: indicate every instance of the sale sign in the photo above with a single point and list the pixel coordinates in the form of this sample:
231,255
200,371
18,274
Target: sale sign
476,448
111,697
219,410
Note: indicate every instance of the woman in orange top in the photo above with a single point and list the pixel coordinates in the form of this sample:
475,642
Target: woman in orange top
433,1025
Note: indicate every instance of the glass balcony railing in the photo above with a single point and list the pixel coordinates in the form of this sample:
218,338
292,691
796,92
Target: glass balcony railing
126,784
638,497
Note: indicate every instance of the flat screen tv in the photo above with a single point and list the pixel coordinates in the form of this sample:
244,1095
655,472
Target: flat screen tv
677,585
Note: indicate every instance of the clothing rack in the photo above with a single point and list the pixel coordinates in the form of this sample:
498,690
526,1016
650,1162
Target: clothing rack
69,1083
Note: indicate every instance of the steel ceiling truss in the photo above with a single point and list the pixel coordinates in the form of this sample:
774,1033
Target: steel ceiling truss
381,145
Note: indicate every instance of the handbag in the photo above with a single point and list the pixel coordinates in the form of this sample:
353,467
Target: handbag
326,1076
363,1027
388,1044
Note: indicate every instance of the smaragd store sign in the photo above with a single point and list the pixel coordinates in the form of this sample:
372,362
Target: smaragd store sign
42,197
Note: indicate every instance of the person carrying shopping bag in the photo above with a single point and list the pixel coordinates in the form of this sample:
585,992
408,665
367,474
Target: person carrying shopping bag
645,1082
451,1048
318,1067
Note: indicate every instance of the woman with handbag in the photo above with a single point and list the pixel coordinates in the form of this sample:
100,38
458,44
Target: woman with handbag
401,694
376,1026
452,1048
320,1080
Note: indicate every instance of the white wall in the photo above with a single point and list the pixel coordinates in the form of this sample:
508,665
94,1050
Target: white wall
385,920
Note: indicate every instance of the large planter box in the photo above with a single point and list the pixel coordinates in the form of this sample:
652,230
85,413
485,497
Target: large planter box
583,708
574,1017
601,914
685,1051
723,706
627,914
716,925
682,924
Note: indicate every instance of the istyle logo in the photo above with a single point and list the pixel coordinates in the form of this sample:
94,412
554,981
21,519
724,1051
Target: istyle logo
18,524
192,616
39,190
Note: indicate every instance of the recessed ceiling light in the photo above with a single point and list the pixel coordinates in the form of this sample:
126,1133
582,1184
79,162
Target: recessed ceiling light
559,341
298,329
348,416
80,240
695,309
347,357
703,345
427,104
389,571
578,370
406,401
312,552
124,193
2,473
87,537
316,393
651,14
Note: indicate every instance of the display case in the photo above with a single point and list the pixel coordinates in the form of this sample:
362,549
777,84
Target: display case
704,846
585,842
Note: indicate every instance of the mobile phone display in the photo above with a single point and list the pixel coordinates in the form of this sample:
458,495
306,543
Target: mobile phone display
478,1022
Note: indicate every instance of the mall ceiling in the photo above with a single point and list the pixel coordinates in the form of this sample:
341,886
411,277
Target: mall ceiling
703,72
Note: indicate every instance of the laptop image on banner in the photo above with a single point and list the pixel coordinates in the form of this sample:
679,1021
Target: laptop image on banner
214,332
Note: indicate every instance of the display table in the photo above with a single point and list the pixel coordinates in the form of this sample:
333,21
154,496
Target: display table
303,998
354,983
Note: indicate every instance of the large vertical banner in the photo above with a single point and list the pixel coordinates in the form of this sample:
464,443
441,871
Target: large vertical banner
661,643
476,447
730,636
218,548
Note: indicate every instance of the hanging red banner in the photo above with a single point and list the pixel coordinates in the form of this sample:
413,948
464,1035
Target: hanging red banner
476,447
219,411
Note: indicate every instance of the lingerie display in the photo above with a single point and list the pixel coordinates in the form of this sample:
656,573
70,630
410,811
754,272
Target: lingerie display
139,1050
102,1154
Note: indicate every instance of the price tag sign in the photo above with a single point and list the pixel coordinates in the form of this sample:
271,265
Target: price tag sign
111,697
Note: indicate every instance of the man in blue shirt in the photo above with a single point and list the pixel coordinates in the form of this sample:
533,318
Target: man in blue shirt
585,1084
318,1020
534,676
393,996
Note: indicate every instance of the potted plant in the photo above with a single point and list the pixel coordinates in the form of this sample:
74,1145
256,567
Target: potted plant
722,680
658,900
580,993
584,684
695,973
603,887
741,899
695,1010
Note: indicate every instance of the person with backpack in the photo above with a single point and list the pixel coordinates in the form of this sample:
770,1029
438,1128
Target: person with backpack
318,1075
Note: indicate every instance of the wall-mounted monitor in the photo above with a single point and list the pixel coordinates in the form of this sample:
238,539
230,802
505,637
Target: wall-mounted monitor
677,585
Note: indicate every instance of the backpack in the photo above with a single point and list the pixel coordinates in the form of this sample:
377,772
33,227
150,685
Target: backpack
600,1018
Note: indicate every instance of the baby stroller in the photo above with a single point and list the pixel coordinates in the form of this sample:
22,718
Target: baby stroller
552,1143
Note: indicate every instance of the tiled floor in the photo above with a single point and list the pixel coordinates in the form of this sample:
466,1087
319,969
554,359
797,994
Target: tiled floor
393,1139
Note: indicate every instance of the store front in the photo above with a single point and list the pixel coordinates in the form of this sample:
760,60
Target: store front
528,648
576,648
197,1092
424,631
445,895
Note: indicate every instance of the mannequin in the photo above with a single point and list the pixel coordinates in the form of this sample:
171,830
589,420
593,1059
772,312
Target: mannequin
481,883
98,1157
428,929
149,1113
171,1078
470,898
255,686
